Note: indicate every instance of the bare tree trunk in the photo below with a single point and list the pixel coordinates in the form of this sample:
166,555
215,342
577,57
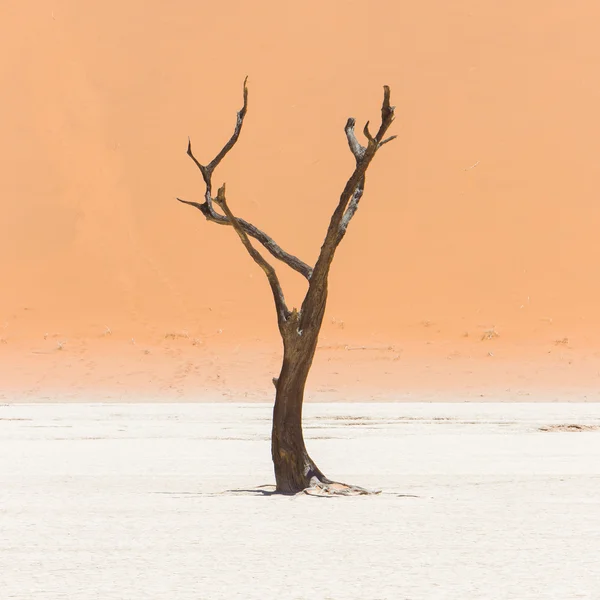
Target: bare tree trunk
295,471
294,468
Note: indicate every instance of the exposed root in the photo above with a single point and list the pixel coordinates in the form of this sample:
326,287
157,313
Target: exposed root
333,488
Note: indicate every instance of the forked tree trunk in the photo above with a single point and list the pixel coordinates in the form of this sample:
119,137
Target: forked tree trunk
295,471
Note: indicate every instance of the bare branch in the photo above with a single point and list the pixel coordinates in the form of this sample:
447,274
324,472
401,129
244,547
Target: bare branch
207,170
209,212
352,207
197,205
314,303
282,311
368,133
387,114
236,134
355,147
392,137
203,169
268,242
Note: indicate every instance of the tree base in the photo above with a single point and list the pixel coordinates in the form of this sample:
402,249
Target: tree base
328,488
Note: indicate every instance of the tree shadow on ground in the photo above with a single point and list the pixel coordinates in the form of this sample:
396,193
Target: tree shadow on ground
269,490
261,490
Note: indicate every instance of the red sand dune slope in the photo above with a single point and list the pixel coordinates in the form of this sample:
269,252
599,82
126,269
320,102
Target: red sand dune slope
483,214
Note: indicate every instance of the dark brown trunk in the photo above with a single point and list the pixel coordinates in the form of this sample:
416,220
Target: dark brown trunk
294,469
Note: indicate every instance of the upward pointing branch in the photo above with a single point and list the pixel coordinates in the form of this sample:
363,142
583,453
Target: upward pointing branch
313,307
207,208
314,302
214,163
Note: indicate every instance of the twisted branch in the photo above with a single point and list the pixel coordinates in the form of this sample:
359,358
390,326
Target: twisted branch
207,208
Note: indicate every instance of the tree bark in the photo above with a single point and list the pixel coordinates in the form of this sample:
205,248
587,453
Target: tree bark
295,471
294,468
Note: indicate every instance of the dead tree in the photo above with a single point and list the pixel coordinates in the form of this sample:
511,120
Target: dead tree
295,471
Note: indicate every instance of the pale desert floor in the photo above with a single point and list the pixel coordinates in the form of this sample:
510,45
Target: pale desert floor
151,501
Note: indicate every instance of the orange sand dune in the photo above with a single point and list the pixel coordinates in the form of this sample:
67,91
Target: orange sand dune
482,216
